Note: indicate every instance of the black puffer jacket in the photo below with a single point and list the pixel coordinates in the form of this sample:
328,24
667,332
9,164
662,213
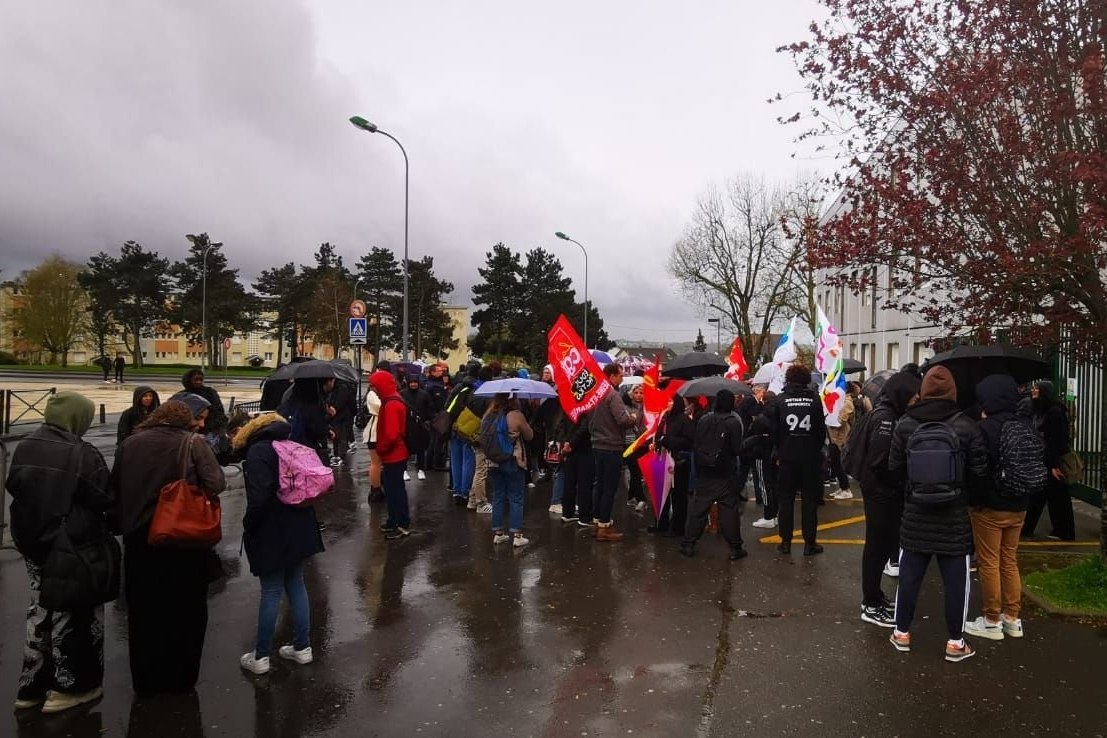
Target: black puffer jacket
998,397
942,530
877,481
39,482
276,536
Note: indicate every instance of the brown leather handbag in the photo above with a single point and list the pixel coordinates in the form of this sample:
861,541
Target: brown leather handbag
186,516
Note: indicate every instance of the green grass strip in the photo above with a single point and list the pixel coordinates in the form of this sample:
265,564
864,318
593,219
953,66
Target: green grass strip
1080,587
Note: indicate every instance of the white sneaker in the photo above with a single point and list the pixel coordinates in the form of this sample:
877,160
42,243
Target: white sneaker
500,538
842,494
421,475
1012,628
555,509
254,665
530,485
891,569
519,541
485,508
765,523
982,628
641,506
407,477
300,657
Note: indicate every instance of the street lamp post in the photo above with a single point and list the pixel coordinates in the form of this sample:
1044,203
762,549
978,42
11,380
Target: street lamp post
362,124
563,237
208,246
718,337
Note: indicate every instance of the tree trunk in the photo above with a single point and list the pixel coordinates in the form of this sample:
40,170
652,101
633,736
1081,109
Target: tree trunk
65,357
136,350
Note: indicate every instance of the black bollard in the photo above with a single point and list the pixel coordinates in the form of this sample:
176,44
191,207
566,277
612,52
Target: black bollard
103,417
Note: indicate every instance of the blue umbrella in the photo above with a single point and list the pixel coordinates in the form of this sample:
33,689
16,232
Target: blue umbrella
524,389
602,357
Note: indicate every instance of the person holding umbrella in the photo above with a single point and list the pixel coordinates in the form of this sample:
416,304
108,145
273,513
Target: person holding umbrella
1052,422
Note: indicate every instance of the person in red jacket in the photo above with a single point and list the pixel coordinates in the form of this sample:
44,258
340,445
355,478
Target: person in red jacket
393,453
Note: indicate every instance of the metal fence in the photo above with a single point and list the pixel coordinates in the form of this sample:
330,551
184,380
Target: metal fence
1086,417
23,407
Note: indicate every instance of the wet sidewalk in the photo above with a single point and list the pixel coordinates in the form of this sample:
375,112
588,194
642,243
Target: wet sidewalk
443,633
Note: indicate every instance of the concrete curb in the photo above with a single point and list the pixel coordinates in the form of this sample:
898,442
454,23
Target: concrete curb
1042,603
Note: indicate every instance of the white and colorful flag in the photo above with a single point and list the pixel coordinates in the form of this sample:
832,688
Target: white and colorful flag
783,357
828,361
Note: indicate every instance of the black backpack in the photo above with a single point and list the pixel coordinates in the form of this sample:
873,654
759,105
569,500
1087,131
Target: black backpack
935,463
710,441
417,431
856,447
1021,470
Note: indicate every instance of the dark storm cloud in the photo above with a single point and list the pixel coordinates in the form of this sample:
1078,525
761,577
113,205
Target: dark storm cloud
135,119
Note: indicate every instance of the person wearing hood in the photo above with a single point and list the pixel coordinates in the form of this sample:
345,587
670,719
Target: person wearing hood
419,400
391,429
882,494
56,478
719,429
997,519
800,431
1052,422
166,588
369,437
193,382
676,433
144,402
278,539
310,415
940,531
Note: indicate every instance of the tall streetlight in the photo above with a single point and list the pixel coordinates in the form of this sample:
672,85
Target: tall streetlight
361,123
563,237
207,246
718,337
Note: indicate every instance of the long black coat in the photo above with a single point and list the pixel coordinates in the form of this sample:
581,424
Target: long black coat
943,530
276,536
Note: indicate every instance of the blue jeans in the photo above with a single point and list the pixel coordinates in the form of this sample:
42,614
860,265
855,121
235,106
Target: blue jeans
395,493
609,467
507,487
291,582
463,463
558,486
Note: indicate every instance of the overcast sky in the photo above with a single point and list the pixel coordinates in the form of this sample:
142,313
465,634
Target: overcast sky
146,120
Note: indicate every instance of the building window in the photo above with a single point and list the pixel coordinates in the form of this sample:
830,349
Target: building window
893,356
268,355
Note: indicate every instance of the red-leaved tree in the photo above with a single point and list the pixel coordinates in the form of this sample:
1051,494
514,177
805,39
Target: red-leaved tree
974,137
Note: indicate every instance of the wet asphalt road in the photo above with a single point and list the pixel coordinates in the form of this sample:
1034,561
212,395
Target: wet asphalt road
443,634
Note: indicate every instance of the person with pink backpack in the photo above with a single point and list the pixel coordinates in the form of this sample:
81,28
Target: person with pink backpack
278,536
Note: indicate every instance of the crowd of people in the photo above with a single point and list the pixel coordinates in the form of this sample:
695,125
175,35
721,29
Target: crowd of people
937,482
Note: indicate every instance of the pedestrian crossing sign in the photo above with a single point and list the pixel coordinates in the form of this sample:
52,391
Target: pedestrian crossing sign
359,328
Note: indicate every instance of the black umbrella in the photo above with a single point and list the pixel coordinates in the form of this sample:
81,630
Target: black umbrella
852,366
710,386
875,384
345,371
695,364
971,363
318,370
288,371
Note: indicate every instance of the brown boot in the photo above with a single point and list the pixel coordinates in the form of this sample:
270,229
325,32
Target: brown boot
607,533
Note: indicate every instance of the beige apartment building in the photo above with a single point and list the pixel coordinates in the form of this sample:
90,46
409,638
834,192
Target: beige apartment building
169,346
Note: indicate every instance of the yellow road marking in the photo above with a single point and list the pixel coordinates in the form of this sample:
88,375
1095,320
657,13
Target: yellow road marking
824,526
861,541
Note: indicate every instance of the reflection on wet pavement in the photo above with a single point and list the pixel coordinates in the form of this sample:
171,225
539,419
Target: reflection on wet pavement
443,633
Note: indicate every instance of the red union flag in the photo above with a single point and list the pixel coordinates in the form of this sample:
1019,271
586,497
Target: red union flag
581,384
